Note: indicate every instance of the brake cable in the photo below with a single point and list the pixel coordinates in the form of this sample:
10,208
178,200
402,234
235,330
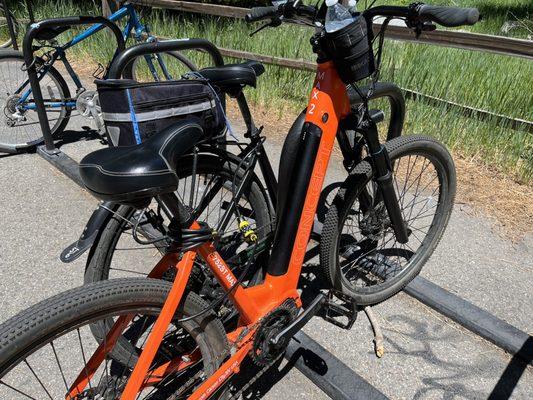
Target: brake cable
225,295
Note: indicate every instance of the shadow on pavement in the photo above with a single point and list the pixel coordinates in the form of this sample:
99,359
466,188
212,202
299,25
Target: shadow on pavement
85,134
264,383
512,374
448,385
7,155
274,374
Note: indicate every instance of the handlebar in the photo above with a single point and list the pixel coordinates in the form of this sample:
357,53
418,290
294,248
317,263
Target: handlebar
261,13
445,16
449,16
286,10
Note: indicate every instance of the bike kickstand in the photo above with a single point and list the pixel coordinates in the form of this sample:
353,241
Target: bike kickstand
378,335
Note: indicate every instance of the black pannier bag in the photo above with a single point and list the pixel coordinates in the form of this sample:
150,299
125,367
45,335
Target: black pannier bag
133,111
350,50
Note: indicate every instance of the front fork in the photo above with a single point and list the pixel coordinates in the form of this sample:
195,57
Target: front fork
384,179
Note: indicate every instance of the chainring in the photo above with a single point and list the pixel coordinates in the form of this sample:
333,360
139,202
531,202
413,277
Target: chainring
263,352
88,104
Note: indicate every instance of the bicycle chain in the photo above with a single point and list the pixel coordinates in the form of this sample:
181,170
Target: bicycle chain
260,373
255,378
239,393
185,386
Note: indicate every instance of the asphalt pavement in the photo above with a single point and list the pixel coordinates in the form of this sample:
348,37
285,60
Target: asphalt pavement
426,355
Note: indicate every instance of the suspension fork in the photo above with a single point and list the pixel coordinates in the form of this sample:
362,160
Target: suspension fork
383,176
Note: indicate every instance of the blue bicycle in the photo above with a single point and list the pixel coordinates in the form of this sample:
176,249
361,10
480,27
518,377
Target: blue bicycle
19,128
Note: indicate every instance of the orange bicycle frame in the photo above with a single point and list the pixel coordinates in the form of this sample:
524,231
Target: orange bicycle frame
328,104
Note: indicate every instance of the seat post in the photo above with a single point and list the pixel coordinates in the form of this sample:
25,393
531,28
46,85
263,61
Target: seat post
174,208
252,130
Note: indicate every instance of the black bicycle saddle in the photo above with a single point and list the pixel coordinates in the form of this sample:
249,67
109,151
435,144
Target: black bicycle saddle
133,174
232,76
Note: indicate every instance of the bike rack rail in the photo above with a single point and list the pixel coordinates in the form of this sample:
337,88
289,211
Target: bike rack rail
118,67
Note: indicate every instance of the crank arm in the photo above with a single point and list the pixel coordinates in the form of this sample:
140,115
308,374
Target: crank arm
282,338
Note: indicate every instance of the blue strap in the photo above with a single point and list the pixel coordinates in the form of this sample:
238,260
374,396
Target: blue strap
134,119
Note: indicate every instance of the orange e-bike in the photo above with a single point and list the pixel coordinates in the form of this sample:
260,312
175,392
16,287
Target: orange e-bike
162,339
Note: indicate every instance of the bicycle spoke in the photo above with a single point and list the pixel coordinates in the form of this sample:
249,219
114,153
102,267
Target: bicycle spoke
84,359
14,82
59,365
422,216
417,238
136,248
128,270
17,390
420,201
417,183
419,176
38,379
59,346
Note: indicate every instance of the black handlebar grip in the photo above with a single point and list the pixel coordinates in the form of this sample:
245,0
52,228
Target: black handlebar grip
259,13
449,16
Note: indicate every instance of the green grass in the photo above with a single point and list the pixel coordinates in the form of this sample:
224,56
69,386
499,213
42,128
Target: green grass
500,84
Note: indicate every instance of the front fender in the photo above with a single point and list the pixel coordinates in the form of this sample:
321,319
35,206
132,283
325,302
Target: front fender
92,229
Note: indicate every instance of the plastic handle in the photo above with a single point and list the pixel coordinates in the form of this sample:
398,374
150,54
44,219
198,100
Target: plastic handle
259,13
449,16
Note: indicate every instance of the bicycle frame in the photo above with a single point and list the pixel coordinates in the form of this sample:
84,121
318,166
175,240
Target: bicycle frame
133,26
328,104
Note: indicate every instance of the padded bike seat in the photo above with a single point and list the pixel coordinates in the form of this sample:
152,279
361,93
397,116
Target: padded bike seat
50,33
132,174
230,76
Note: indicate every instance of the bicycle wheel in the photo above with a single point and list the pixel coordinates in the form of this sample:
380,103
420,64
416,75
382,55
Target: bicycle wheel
359,253
162,67
5,38
20,129
117,254
43,349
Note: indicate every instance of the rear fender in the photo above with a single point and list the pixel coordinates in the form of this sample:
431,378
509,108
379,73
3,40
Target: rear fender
93,228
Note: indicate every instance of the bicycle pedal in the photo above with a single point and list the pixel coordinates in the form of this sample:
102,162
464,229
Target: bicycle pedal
332,311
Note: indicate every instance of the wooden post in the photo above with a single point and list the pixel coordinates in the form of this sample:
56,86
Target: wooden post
109,7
